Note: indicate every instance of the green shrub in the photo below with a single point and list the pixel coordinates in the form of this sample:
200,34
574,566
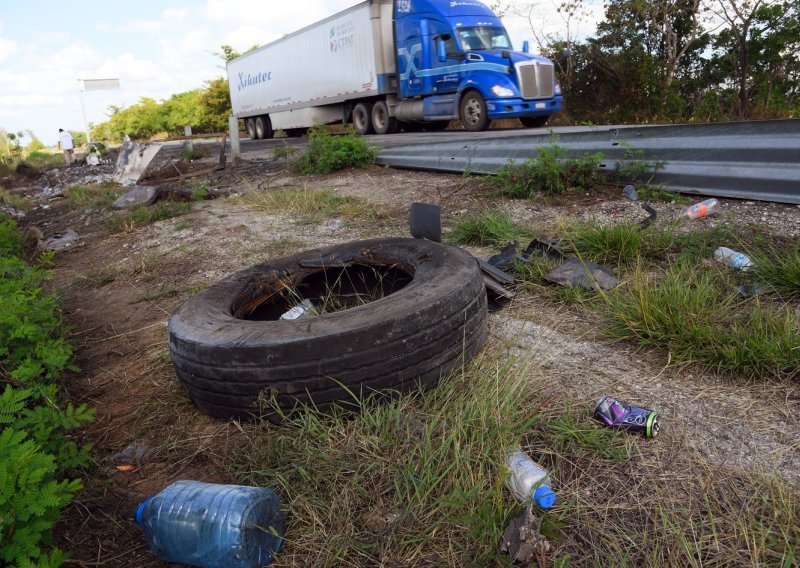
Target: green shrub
326,153
36,456
634,167
777,270
31,499
549,172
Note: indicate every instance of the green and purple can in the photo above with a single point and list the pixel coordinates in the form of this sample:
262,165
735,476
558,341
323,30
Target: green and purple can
617,414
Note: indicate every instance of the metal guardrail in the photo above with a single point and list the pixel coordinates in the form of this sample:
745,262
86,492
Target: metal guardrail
748,160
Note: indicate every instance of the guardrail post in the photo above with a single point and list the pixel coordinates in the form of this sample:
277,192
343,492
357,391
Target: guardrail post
187,131
233,127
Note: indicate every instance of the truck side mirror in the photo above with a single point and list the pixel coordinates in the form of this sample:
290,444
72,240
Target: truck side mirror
441,48
526,46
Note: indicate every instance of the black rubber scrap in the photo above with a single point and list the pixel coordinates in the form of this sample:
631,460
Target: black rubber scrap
226,355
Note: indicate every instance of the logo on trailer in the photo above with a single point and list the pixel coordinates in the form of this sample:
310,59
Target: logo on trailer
404,6
342,36
333,40
249,79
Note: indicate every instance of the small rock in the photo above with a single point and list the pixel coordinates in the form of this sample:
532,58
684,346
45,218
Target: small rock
132,454
378,521
60,242
139,195
336,224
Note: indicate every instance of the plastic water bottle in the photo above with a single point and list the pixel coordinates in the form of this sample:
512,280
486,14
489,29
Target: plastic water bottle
303,310
213,526
736,260
702,209
528,480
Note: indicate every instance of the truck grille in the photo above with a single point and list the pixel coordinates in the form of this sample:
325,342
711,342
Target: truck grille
536,80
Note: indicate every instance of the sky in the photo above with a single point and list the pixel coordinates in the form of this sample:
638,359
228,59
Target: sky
156,48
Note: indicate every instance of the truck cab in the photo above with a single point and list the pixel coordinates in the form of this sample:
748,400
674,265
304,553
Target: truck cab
455,61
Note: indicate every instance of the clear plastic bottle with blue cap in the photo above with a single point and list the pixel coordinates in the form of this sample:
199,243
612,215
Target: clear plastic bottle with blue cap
213,526
529,481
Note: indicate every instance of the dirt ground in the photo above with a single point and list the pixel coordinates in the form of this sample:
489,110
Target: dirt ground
119,291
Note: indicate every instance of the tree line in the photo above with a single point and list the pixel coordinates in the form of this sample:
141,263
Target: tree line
649,61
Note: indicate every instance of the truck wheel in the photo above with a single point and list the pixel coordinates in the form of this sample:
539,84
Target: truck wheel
474,115
381,121
263,127
428,317
362,118
250,126
534,121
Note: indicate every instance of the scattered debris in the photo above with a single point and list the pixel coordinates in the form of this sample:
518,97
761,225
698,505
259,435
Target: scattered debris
139,195
504,260
498,283
12,212
303,310
630,193
60,242
425,222
733,259
748,290
582,273
335,224
702,209
652,216
378,521
616,414
132,454
528,481
522,539
133,161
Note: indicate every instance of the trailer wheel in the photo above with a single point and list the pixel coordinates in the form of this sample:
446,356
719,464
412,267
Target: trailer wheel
362,118
429,316
534,121
474,114
263,127
250,126
381,121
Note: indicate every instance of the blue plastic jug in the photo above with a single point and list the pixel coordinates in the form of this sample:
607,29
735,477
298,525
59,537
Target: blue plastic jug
213,526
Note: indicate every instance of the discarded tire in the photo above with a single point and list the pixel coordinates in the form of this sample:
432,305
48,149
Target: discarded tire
231,352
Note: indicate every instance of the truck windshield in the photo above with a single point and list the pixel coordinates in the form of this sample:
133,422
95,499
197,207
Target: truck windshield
484,37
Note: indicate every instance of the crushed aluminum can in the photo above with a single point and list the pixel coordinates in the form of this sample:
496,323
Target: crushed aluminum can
617,414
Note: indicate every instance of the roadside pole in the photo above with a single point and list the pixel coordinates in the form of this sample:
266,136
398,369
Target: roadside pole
233,127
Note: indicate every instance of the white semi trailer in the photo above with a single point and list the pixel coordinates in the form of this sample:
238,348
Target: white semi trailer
383,64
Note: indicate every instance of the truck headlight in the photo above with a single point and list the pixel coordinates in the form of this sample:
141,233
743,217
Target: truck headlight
558,88
502,91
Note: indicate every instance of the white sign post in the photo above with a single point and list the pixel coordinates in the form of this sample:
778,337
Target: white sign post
94,85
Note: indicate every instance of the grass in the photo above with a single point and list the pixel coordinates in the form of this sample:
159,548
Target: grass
182,226
419,481
550,172
14,201
607,244
312,205
44,160
93,196
777,270
695,316
490,228
651,193
140,216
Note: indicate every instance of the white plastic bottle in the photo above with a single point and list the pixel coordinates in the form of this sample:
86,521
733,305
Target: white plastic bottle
528,480
736,260
702,209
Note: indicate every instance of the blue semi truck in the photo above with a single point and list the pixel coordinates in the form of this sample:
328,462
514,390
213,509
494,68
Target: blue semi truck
386,65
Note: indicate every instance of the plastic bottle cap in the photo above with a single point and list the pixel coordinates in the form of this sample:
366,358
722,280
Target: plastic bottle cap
140,510
544,497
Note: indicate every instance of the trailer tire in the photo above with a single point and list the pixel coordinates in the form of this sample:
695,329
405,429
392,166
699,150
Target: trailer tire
263,127
534,121
427,327
474,114
250,126
362,118
381,121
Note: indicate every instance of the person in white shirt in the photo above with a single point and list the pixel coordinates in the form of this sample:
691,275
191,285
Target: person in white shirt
67,145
